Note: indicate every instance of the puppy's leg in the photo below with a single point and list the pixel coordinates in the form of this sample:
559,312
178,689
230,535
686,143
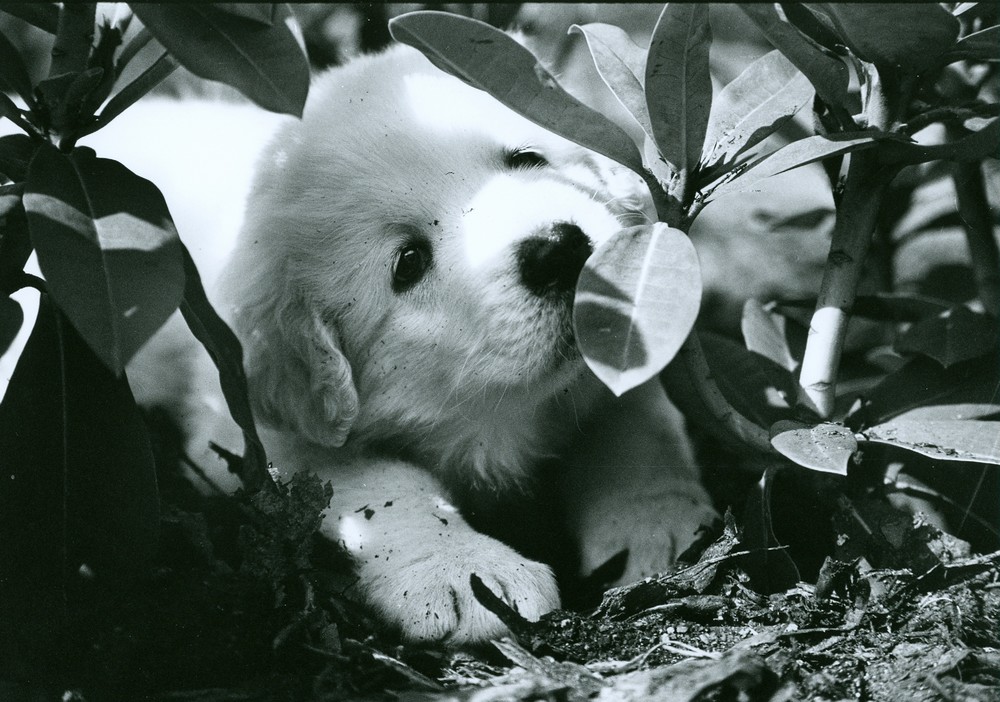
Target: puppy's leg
414,554
632,483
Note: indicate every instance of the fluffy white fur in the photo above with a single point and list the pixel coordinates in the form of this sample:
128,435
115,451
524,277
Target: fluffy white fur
414,403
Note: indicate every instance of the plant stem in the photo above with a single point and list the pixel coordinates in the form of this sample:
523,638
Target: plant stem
974,210
74,37
856,220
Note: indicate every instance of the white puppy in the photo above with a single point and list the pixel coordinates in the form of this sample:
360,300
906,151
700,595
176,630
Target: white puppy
403,288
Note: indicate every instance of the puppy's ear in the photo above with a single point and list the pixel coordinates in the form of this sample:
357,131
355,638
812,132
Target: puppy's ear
299,378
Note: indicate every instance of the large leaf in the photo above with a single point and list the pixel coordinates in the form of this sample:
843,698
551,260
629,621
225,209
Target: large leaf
972,441
636,301
107,247
490,60
983,45
798,153
262,61
16,151
678,83
44,15
621,64
828,74
11,319
78,484
982,142
908,36
952,336
13,73
15,244
756,104
923,389
826,447
227,354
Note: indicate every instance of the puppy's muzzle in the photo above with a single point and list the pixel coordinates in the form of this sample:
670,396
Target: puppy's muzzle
550,262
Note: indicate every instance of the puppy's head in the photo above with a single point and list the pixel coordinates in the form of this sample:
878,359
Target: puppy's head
411,252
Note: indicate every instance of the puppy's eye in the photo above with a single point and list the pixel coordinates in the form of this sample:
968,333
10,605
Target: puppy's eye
525,158
412,262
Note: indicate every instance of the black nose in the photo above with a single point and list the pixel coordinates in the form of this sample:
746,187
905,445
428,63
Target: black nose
550,262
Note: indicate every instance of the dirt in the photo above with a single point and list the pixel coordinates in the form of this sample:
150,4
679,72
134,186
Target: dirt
245,605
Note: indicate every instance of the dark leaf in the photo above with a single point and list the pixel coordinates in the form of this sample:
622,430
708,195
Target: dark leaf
825,447
16,151
44,15
15,244
11,319
264,62
983,142
983,45
127,96
764,333
897,307
636,301
769,566
828,74
678,83
756,104
259,12
227,354
622,66
798,153
952,336
922,389
909,36
488,59
79,486
107,247
967,440
13,74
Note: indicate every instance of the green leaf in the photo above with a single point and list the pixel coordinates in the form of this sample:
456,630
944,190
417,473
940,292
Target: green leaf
130,94
107,247
971,441
826,447
983,45
798,153
44,15
227,354
11,319
15,244
909,36
13,74
828,74
490,60
264,62
924,389
621,64
679,84
636,301
983,142
952,336
764,333
258,12
79,483
754,106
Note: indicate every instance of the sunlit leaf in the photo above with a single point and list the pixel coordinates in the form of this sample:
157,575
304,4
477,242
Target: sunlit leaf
490,60
909,36
828,74
825,447
952,336
227,354
107,247
636,301
798,153
621,64
262,61
753,106
972,441
678,83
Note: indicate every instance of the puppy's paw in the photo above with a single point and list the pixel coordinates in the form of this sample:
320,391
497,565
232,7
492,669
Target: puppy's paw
428,596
